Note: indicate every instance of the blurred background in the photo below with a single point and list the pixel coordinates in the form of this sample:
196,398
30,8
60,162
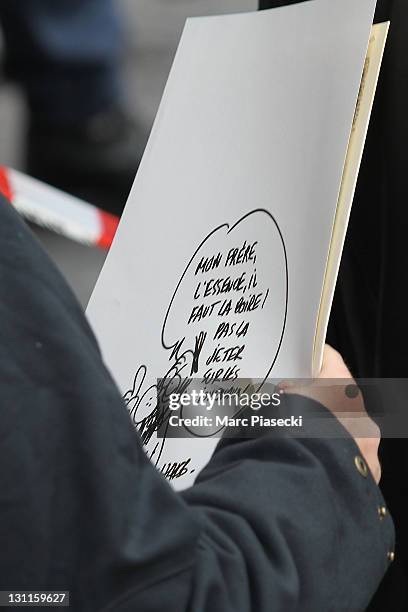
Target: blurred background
141,36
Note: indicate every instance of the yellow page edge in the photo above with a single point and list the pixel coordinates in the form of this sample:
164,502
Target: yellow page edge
351,168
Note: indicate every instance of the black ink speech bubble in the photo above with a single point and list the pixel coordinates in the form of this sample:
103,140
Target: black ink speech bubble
224,268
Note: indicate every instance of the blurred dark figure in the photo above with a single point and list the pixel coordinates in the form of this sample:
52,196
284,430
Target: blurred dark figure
65,54
369,320
371,289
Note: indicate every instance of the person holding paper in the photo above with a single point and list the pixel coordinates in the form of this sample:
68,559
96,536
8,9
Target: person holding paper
270,525
368,322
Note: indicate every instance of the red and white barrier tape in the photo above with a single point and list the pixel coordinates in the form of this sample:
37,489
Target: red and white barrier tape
57,210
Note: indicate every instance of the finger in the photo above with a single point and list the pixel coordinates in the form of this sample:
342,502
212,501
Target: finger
333,365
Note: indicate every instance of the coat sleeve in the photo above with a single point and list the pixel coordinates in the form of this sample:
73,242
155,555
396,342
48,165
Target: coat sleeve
271,524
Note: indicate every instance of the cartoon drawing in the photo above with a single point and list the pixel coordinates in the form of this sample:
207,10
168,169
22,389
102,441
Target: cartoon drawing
225,320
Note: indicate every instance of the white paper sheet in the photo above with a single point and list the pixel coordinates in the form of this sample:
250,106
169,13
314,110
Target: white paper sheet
246,153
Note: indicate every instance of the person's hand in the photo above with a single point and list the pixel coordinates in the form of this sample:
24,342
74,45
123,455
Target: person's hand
334,367
347,407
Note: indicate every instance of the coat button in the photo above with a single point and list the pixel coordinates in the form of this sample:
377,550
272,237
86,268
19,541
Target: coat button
382,512
391,556
361,465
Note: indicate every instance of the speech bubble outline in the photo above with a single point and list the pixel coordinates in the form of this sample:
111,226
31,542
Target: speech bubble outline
176,346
